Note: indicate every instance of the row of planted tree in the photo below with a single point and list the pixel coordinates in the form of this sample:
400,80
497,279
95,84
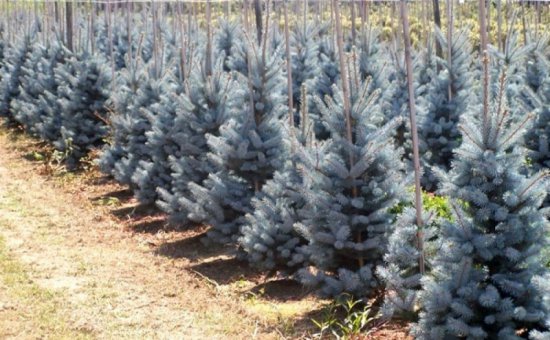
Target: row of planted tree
294,144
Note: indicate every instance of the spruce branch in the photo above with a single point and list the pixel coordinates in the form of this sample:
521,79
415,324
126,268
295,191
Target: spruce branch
517,129
541,176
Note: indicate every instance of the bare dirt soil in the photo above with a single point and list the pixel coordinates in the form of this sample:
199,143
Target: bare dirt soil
79,258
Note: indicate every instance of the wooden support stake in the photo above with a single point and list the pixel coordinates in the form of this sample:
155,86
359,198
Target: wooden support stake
414,132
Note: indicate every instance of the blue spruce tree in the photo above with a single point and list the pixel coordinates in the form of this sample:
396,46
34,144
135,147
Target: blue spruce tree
512,62
269,237
401,272
36,108
488,280
447,97
346,219
305,61
138,89
11,72
228,35
163,140
538,69
83,85
247,150
537,138
210,100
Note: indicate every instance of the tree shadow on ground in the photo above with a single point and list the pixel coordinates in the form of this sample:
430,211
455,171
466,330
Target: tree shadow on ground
192,248
123,195
150,225
136,211
225,271
281,290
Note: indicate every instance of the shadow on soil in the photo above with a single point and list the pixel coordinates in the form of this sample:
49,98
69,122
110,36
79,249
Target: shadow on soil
281,290
192,248
123,195
226,271
136,211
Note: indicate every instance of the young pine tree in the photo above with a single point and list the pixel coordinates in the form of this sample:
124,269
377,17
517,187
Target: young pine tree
488,280
32,72
447,98
537,138
247,150
36,108
304,60
269,237
11,72
346,219
512,62
538,69
210,100
83,85
137,89
163,139
228,35
401,273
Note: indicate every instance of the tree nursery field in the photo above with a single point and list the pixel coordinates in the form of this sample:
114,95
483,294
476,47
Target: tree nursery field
273,169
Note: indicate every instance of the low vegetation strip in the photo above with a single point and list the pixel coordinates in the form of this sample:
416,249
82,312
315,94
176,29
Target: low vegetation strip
28,310
68,271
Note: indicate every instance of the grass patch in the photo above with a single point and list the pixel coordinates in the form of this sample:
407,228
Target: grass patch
41,307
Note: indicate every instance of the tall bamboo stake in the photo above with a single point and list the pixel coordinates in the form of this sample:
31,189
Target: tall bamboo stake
524,23
437,21
183,51
208,57
56,11
92,24
353,33
305,14
499,25
129,11
488,5
414,132
69,19
155,39
258,15
288,70
346,95
450,45
485,62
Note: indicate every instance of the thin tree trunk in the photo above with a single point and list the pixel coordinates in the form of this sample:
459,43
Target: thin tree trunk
414,132
69,23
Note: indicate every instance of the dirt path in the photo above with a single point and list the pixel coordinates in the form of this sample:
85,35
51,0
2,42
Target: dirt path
72,267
